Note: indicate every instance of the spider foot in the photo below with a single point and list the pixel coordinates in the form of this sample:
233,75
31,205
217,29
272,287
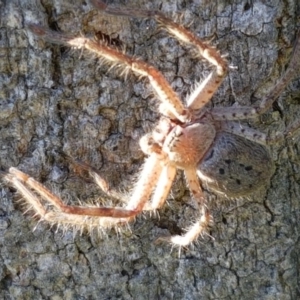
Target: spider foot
199,228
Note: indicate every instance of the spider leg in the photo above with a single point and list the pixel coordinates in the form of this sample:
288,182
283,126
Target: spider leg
200,226
82,215
257,136
160,193
203,91
23,182
151,143
163,188
19,181
290,73
98,179
245,131
166,94
239,113
25,192
147,181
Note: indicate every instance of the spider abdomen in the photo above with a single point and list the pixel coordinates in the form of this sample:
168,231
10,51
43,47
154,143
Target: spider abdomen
235,166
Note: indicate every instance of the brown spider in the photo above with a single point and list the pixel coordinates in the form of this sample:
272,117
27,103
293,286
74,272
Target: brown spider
205,143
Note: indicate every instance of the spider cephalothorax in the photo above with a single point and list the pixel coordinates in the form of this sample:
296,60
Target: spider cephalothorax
205,143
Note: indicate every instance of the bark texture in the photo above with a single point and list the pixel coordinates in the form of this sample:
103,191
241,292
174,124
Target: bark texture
54,99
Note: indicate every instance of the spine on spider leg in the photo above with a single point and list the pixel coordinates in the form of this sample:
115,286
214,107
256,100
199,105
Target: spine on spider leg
108,53
109,41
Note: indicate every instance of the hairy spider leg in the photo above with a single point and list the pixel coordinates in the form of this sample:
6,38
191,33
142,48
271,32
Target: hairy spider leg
257,136
98,179
24,182
78,215
203,91
160,85
163,188
240,113
160,193
200,226
158,171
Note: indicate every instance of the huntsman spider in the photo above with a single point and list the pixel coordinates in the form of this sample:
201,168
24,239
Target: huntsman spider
207,144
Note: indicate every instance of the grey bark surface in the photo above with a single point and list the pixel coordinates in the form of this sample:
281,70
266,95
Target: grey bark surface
54,99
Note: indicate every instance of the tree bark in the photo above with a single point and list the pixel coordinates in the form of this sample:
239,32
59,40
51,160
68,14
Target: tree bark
55,99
